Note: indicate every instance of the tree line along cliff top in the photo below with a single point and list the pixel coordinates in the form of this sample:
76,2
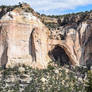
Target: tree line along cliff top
51,21
20,7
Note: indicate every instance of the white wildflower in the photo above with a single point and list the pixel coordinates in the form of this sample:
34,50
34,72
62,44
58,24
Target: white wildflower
21,69
57,71
43,80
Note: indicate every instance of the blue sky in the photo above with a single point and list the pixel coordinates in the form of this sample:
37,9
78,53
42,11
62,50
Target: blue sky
54,7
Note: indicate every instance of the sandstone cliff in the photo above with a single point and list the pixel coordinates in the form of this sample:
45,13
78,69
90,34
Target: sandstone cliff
24,39
74,35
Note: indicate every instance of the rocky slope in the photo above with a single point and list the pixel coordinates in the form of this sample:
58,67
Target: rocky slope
24,39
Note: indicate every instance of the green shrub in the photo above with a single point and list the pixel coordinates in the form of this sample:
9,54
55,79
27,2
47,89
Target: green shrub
53,79
89,83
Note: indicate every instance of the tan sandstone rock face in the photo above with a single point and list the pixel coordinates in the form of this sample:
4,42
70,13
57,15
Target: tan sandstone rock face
23,40
76,42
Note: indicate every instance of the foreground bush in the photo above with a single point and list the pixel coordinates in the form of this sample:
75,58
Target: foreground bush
53,79
89,82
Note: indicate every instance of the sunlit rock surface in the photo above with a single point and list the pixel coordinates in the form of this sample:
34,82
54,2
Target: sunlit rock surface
23,40
76,40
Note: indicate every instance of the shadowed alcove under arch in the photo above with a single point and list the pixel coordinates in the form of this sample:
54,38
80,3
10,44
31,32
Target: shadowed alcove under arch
59,55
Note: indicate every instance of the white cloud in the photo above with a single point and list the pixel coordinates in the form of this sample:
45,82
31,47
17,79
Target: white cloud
61,4
45,5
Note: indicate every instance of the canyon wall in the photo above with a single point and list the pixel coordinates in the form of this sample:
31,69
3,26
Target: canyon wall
24,39
76,40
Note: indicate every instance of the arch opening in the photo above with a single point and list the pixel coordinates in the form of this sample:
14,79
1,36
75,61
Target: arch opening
59,55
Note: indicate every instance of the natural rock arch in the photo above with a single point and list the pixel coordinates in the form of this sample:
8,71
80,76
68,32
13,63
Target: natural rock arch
60,54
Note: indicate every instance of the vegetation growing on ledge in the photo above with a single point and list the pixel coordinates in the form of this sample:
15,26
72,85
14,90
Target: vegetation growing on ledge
51,21
67,19
52,79
23,6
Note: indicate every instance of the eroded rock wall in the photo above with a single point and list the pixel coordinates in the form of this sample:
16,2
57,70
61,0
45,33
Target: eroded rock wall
76,40
23,40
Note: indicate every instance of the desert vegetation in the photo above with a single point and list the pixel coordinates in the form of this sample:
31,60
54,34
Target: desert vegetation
55,78
66,19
